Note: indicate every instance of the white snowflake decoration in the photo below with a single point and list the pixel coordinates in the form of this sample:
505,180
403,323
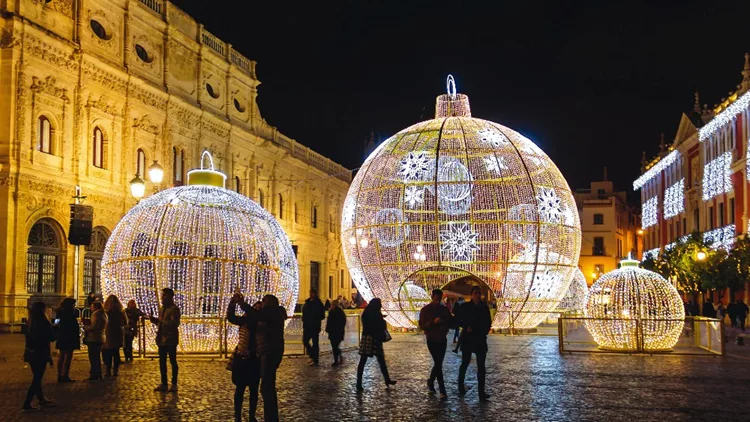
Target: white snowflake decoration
549,205
543,284
413,195
494,138
495,164
414,166
459,241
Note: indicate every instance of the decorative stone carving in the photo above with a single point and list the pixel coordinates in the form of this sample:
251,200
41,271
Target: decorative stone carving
182,62
144,123
183,117
96,74
50,54
147,98
217,129
103,104
7,40
63,6
49,86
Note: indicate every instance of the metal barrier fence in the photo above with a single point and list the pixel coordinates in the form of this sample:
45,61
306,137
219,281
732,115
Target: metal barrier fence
698,336
548,326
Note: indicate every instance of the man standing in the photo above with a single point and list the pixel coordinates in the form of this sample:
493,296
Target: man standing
741,310
313,313
435,320
476,323
167,337
335,326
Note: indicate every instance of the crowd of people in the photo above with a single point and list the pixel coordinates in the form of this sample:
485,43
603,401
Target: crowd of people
109,327
736,311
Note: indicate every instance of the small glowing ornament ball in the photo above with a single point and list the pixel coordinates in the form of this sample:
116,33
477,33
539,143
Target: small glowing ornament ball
206,243
623,299
468,197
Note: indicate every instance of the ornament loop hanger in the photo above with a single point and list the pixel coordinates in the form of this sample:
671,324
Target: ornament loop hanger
451,86
210,160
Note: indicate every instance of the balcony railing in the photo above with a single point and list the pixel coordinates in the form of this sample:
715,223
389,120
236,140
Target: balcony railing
155,5
210,40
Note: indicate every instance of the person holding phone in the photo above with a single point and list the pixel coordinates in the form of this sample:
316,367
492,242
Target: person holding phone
167,338
68,337
245,361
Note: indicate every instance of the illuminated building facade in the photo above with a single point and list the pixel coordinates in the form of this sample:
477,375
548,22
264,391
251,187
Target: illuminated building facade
609,228
699,183
91,93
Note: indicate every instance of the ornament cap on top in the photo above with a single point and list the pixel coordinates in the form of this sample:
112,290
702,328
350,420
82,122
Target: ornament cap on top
629,262
206,176
452,104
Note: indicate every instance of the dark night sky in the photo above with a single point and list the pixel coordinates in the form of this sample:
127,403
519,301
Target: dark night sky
592,85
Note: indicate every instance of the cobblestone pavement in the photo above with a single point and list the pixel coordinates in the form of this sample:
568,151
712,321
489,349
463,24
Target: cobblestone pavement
527,377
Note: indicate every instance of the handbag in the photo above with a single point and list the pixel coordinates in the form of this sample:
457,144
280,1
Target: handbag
386,336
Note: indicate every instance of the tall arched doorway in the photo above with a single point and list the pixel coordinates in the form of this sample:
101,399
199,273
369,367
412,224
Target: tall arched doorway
44,257
92,260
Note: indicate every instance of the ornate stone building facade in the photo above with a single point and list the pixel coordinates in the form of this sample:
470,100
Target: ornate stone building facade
91,93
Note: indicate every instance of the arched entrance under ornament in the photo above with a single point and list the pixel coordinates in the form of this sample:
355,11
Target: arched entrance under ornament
414,292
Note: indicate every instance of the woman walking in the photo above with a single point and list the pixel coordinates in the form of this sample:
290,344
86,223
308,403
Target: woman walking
68,337
94,339
39,335
245,362
132,316
335,326
373,335
114,334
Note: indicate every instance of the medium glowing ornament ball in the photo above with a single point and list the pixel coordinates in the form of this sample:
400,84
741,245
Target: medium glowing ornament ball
456,197
623,300
206,243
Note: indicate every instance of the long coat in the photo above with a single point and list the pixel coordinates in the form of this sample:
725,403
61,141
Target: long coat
336,324
68,331
115,332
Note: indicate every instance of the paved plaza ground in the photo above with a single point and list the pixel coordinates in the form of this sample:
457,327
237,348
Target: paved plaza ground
528,379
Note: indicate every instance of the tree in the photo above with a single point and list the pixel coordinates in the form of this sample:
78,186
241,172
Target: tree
679,263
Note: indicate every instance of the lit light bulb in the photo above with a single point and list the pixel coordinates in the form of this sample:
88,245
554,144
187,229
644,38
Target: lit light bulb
420,248
137,187
156,172
352,240
364,242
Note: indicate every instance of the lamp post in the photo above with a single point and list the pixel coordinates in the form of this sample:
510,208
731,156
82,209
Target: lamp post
137,188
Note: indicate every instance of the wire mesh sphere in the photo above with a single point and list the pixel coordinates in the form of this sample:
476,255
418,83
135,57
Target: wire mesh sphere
468,196
631,302
575,299
206,243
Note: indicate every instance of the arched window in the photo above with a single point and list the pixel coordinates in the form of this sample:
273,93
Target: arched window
99,150
178,166
44,135
314,217
140,164
281,207
43,258
92,261
237,186
261,200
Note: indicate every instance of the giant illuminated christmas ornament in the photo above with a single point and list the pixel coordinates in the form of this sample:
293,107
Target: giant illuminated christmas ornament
575,299
205,242
468,197
632,306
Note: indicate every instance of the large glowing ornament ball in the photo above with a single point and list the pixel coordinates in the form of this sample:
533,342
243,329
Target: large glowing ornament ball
467,196
206,243
631,305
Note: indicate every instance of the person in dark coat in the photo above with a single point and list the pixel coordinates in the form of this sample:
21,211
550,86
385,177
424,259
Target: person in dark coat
327,305
68,337
435,320
245,362
167,338
114,335
335,326
132,316
476,323
708,309
270,344
741,310
39,335
732,312
313,312
371,343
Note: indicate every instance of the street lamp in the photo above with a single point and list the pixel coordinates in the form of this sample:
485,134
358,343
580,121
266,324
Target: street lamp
700,256
155,173
137,187
640,231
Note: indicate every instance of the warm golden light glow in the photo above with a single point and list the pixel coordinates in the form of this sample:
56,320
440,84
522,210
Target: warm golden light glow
700,256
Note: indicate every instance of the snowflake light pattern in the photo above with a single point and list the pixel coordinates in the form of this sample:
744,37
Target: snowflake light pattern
649,212
494,138
414,166
413,195
459,241
549,205
495,164
674,199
